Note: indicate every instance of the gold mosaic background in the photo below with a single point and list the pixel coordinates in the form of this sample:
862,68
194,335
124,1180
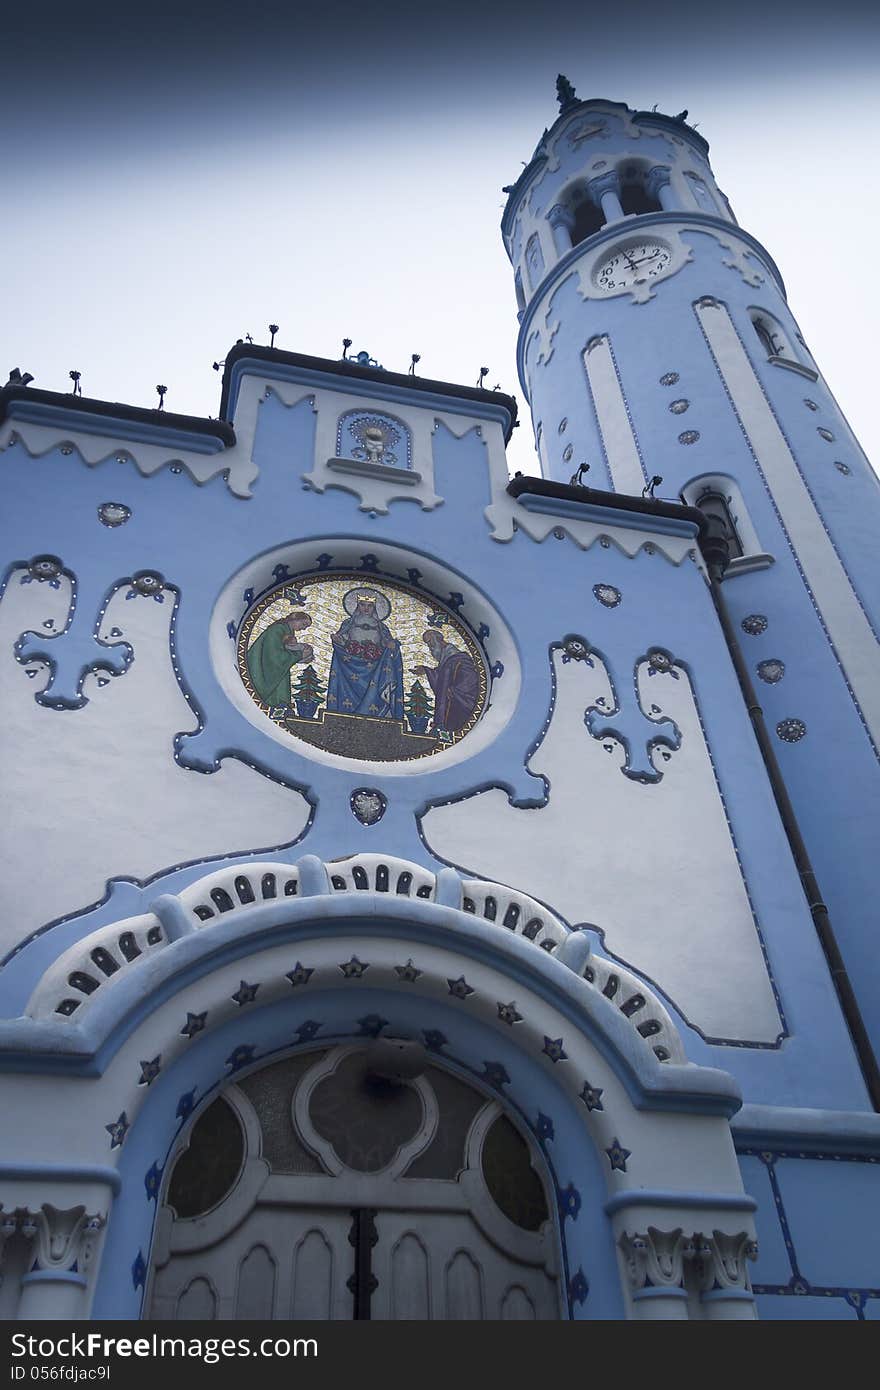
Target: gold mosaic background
323,595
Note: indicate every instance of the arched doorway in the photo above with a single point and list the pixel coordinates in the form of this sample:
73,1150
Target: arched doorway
358,1181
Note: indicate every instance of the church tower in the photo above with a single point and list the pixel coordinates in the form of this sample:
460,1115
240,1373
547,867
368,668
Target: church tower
435,895
657,346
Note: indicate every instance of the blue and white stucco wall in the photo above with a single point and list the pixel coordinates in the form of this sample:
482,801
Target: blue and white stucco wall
611,791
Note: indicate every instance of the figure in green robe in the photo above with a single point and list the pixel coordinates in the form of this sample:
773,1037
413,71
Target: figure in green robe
272,655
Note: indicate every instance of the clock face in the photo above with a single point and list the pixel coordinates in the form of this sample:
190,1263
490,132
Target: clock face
634,264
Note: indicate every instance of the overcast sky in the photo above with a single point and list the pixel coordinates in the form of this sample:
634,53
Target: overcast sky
178,179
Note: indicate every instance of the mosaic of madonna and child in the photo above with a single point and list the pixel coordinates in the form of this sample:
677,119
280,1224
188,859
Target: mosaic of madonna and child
371,670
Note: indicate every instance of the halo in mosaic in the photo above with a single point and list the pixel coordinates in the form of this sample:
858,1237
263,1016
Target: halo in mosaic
771,671
754,624
374,670
791,730
607,595
669,378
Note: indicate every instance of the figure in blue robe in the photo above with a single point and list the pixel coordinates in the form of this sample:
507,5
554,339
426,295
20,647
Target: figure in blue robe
366,673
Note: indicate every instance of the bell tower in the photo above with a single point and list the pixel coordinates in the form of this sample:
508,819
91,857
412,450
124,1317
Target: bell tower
657,348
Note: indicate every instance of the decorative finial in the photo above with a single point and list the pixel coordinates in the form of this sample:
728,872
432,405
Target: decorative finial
648,489
682,116
19,378
75,376
484,372
346,344
565,93
273,329
248,338
416,357
577,478
218,365
161,390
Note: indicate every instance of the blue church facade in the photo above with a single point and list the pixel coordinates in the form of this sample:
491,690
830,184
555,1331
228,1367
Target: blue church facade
432,894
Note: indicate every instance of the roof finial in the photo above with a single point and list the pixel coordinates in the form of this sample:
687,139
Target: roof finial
565,94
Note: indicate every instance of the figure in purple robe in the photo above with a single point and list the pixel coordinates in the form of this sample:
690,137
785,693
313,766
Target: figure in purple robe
454,680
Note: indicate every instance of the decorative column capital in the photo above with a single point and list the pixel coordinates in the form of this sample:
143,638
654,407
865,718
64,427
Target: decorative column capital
63,1240
605,183
672,1259
722,1260
655,179
657,1259
561,216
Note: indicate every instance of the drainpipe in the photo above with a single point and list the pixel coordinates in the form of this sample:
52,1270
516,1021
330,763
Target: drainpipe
714,546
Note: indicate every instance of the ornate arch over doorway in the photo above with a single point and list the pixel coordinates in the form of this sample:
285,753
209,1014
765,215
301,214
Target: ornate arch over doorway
357,1181
151,1018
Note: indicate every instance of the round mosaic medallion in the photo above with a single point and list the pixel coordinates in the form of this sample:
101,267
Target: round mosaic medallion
669,378
659,661
688,436
607,595
362,667
791,730
843,468
44,567
148,584
679,407
771,671
113,513
754,624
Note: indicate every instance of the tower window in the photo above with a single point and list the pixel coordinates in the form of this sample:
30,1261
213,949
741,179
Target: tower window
714,504
723,506
771,334
634,199
588,219
778,346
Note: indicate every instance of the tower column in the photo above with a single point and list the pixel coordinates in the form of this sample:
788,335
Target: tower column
561,221
658,185
605,193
